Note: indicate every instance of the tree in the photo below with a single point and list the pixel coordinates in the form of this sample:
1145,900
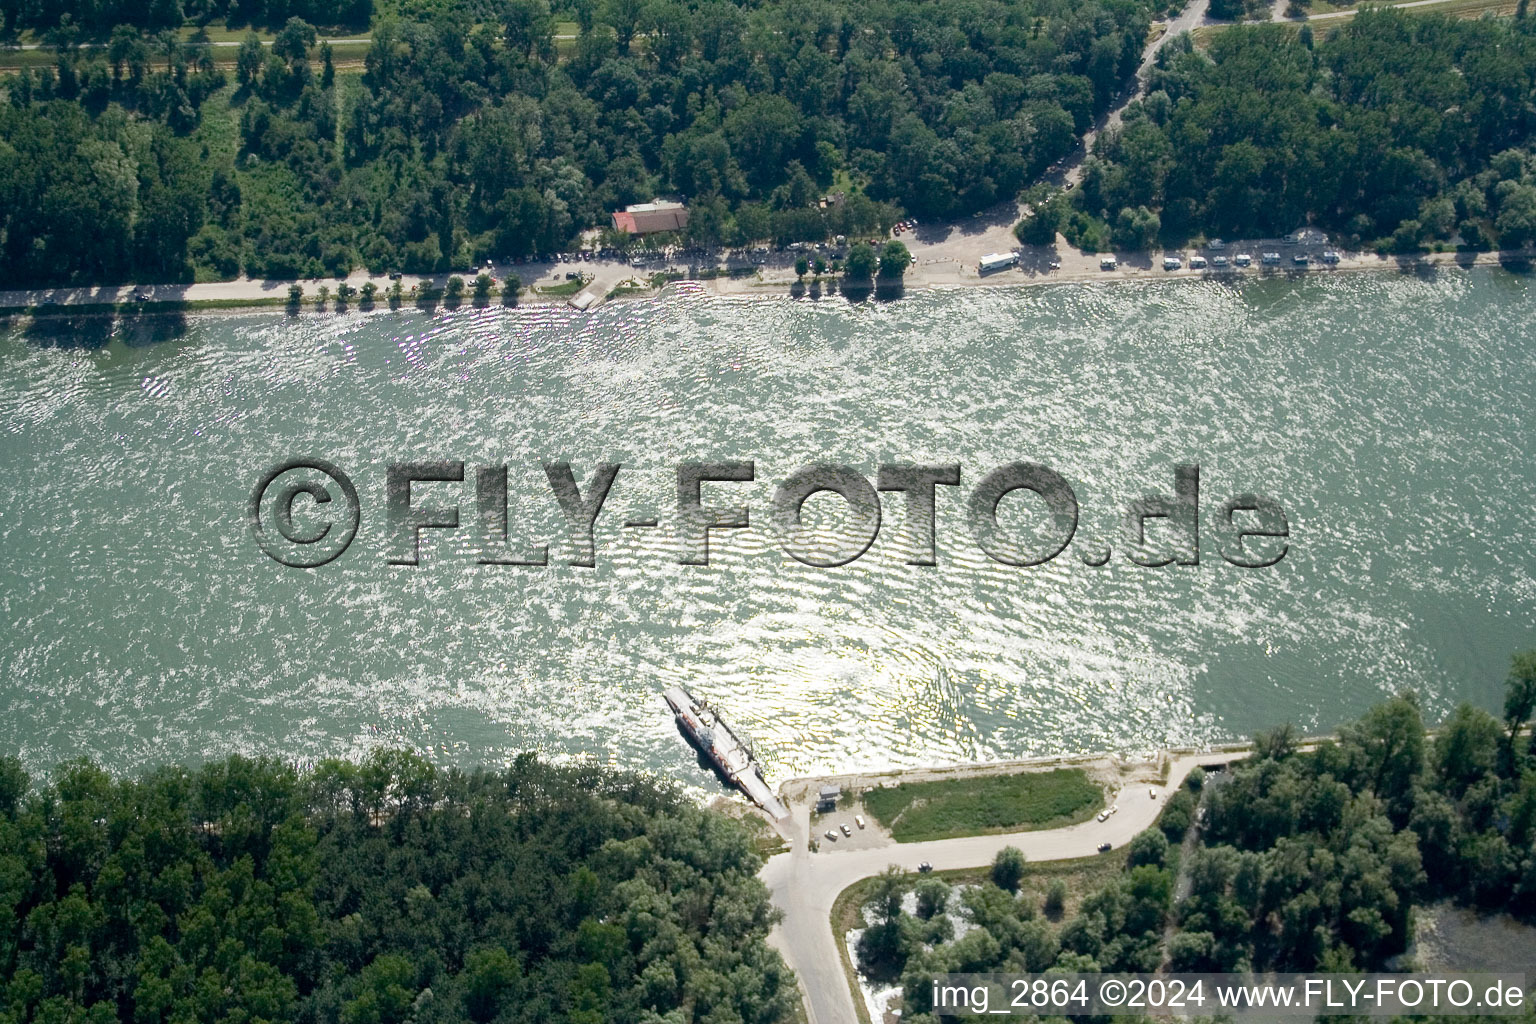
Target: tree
1520,693
249,60
1136,229
932,897
1516,222
527,28
13,786
1275,744
482,285
1467,749
1178,814
1041,225
388,991
455,286
1055,899
894,260
1387,750
126,48
1008,868
802,266
1193,952
511,285
860,265
494,980
886,943
1149,847
294,41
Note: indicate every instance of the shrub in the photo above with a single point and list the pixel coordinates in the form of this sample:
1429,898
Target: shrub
1056,899
1177,815
1008,868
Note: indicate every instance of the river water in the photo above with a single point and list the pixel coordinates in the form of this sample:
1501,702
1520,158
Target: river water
1391,416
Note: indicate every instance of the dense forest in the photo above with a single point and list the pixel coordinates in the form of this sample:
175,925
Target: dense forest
1395,130
1307,860
377,893
70,20
469,136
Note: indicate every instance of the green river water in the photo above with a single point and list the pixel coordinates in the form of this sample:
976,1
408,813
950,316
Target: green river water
1391,415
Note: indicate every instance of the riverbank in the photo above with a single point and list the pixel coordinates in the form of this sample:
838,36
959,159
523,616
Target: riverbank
1037,265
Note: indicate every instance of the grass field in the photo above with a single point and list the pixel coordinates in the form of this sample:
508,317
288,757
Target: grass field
919,811
564,289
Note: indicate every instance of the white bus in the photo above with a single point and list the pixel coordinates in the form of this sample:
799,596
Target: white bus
996,261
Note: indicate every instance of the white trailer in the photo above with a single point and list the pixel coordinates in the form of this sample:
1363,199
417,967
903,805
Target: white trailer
996,261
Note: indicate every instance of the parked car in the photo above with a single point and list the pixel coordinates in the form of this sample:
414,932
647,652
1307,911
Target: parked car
1172,263
1242,259
1104,815
1152,792
1219,261
832,835
1271,257
924,867
1197,263
1301,259
1105,847
846,830
858,819
1329,256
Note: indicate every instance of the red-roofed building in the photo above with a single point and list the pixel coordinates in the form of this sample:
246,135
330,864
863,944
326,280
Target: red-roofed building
649,218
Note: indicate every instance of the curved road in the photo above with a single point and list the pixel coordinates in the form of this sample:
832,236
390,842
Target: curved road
804,885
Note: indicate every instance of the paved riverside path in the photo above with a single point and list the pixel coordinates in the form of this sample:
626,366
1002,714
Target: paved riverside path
804,885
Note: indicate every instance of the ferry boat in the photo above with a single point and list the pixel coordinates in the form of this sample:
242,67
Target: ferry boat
708,730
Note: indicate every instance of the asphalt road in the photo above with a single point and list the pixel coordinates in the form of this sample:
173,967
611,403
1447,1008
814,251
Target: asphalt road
804,885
